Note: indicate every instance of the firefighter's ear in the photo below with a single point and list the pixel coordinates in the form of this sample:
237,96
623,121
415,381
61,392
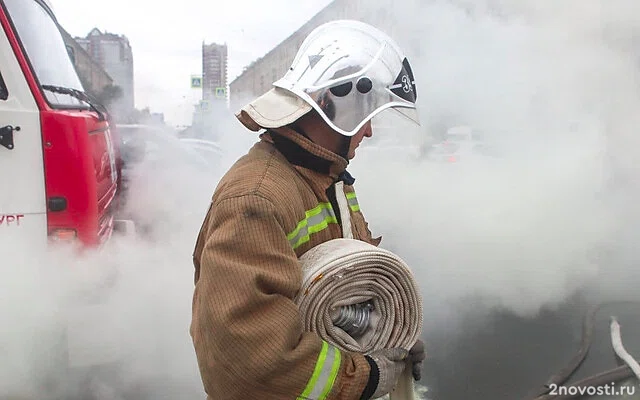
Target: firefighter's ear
328,106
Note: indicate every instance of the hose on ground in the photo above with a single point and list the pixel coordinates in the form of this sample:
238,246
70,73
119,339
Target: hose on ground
606,377
565,373
618,347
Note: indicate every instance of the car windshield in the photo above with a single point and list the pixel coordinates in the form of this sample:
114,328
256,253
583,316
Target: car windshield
46,50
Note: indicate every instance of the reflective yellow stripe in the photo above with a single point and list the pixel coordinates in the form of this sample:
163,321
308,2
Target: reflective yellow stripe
352,200
334,374
316,220
324,374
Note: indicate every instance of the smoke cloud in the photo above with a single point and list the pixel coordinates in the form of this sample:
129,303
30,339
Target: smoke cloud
553,89
508,249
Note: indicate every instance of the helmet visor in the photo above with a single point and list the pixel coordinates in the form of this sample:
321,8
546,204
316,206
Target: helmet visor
351,76
409,113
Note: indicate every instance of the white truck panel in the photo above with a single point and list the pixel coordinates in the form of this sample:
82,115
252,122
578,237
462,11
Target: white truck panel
22,185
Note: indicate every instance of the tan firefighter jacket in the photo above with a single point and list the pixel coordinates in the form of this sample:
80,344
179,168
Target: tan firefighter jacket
272,206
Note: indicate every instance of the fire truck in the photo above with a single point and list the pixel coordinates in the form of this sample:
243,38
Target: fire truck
58,157
59,172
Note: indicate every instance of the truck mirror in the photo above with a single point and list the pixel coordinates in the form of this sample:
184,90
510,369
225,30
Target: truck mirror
72,53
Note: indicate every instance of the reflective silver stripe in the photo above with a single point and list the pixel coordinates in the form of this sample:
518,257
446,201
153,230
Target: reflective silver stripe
353,201
316,220
324,374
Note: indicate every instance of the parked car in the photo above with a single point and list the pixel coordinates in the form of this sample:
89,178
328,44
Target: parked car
159,146
208,150
161,170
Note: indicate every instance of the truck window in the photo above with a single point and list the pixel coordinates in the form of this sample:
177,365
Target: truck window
45,48
4,93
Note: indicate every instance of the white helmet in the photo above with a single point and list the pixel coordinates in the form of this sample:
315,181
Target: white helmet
346,70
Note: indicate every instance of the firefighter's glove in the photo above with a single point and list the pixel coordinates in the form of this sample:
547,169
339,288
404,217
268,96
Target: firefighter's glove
417,355
386,367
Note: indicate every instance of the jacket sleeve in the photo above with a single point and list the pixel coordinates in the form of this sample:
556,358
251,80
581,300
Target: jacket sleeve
246,329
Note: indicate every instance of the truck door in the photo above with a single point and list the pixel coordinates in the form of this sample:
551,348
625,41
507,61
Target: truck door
23,216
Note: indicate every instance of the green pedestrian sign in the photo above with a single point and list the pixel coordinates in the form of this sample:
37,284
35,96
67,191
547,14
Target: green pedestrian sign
196,81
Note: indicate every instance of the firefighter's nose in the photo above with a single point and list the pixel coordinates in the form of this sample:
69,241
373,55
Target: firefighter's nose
368,131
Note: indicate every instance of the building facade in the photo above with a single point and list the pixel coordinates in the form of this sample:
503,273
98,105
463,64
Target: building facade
214,72
113,52
257,78
215,98
94,77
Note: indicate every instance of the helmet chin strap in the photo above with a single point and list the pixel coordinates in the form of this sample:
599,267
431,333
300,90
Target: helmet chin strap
345,144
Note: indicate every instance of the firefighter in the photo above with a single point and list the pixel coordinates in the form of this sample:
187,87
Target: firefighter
278,201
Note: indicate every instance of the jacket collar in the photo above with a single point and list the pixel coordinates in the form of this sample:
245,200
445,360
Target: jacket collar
301,151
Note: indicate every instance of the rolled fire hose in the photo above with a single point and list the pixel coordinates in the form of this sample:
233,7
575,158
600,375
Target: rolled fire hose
361,298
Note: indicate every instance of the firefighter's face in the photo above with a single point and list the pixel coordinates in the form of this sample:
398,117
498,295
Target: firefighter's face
365,131
322,134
